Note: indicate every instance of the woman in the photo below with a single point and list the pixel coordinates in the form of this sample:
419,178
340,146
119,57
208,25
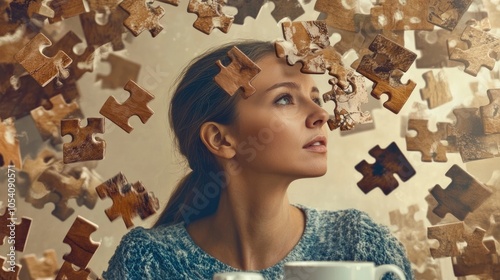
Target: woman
232,213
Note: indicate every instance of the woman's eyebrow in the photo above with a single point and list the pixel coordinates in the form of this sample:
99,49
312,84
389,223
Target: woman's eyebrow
292,85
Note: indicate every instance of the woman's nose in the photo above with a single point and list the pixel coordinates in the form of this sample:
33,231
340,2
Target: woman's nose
317,117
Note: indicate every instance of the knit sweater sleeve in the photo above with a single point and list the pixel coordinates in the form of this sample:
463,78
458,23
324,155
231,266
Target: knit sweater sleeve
375,243
139,257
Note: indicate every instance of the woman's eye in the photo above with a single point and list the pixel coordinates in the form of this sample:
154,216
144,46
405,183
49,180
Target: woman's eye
284,100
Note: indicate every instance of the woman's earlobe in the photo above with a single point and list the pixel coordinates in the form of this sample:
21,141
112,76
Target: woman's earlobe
214,137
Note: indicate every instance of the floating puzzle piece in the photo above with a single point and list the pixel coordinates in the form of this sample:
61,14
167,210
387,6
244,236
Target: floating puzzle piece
42,68
34,268
482,262
128,200
83,145
65,9
340,14
436,90
246,8
448,236
48,122
136,104
98,35
45,159
171,2
427,142
384,68
432,271
286,8
468,136
347,112
476,252
483,48
406,220
447,13
401,15
82,63
21,230
142,17
490,114
210,15
68,272
122,70
462,196
10,153
20,10
103,5
238,74
8,274
82,246
381,174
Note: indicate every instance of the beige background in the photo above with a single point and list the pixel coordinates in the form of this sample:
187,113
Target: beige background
147,154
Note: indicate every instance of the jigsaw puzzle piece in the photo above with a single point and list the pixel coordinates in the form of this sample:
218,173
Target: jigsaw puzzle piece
436,90
381,174
98,35
42,68
464,195
490,114
128,200
23,10
45,159
448,236
65,9
102,6
447,13
9,274
83,146
122,70
483,48
136,105
340,14
238,74
347,112
82,246
48,122
291,9
142,17
210,15
10,152
34,268
427,142
246,8
16,233
385,68
401,15
406,220
67,272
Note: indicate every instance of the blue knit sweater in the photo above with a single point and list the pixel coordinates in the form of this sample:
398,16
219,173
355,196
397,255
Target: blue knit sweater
168,252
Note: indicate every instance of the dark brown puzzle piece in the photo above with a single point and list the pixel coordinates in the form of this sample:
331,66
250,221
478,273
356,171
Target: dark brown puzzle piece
83,145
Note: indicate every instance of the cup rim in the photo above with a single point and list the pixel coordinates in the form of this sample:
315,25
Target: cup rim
327,263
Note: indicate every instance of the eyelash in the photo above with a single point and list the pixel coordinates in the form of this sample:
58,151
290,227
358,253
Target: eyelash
290,97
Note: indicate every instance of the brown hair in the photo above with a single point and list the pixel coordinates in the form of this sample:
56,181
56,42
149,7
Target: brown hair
198,99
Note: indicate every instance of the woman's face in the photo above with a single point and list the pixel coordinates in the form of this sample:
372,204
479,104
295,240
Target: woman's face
280,129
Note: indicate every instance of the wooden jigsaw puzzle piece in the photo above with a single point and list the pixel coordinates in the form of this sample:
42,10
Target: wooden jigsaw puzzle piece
483,47
9,274
122,70
15,233
286,8
67,272
128,200
136,105
436,90
448,236
476,250
42,68
447,13
347,112
48,122
384,68
490,114
103,5
340,15
82,246
10,152
381,174
406,220
427,142
462,196
34,268
142,17
83,145
401,15
210,15
98,35
27,8
64,9
246,8
45,159
238,74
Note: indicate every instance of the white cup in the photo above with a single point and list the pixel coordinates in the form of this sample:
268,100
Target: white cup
330,270
238,276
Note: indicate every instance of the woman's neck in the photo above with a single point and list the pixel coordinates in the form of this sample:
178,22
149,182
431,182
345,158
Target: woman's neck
253,228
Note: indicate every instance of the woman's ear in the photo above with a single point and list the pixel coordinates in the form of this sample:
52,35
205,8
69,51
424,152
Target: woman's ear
216,138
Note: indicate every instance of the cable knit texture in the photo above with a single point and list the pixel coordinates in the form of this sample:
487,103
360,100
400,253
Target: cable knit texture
168,252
